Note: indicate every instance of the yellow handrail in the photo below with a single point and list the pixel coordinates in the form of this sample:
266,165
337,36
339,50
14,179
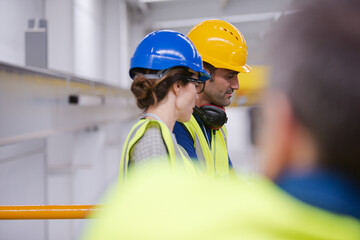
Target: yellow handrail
47,212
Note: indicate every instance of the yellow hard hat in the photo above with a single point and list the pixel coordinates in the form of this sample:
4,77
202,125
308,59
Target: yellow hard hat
220,44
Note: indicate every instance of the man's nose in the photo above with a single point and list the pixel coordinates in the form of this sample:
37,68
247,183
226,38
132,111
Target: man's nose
234,83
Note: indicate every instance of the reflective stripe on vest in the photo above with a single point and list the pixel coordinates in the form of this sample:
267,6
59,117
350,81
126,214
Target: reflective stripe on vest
136,134
215,160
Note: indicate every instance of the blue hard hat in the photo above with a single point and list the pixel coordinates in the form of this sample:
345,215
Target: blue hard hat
165,49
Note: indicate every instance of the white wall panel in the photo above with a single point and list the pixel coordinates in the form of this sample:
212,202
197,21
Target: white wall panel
59,193
112,43
60,17
60,230
10,151
242,153
22,182
88,35
59,151
22,179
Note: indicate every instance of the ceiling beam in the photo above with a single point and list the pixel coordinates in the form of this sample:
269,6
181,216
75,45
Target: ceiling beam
243,18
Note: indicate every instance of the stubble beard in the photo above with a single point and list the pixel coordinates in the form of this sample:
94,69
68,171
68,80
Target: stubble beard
220,100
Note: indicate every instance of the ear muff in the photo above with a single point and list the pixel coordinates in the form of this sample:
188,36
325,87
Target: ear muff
213,116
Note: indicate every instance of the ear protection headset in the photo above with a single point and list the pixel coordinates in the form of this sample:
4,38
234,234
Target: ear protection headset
213,116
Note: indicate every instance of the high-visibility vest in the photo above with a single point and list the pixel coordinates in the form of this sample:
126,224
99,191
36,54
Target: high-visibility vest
167,205
175,153
216,159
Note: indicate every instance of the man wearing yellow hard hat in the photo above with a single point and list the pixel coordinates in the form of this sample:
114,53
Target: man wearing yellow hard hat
224,53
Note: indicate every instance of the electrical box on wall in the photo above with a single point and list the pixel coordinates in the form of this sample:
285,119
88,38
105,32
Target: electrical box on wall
36,43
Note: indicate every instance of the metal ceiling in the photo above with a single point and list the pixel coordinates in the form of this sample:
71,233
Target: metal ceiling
252,17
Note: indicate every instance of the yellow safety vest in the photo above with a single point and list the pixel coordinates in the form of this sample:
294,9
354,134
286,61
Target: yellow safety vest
175,153
215,160
170,205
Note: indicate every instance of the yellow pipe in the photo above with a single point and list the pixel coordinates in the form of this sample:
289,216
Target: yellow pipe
47,212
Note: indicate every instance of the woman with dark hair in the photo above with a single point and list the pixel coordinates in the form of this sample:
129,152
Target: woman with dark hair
168,74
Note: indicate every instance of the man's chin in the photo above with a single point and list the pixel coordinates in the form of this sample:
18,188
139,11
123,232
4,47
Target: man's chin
223,104
227,103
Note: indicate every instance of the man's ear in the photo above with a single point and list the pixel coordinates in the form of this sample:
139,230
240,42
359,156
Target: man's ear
277,137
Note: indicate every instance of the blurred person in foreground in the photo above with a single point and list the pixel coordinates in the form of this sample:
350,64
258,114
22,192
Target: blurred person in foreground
310,143
167,76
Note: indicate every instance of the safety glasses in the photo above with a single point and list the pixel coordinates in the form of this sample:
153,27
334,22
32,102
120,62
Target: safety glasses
200,85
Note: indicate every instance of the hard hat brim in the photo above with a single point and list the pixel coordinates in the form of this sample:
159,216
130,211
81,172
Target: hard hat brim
160,63
219,64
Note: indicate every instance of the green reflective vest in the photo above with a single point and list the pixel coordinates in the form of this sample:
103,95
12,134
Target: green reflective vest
172,205
174,152
216,159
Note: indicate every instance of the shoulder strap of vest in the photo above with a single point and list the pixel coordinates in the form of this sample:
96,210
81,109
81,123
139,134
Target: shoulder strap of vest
187,130
201,146
137,132
166,135
139,129
140,125
224,133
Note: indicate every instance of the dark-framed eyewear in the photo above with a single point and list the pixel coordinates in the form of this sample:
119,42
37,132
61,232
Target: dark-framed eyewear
200,85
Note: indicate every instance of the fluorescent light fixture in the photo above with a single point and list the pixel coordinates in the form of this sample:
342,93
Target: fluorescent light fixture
253,17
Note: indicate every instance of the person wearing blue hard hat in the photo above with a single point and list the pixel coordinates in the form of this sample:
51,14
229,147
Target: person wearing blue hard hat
167,75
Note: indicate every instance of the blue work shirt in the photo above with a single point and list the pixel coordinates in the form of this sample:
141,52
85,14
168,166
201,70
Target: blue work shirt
185,140
323,189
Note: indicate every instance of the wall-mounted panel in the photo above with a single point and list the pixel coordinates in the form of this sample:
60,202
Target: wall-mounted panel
35,103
